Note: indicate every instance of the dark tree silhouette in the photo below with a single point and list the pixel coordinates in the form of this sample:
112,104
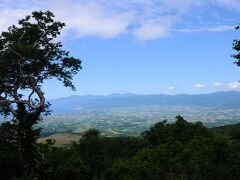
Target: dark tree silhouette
29,54
236,46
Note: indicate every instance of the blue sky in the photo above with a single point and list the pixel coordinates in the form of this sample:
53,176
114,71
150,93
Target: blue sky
142,46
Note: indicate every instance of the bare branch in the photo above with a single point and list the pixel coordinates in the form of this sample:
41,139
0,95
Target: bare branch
30,96
12,110
16,53
41,98
44,34
15,93
8,101
24,32
4,101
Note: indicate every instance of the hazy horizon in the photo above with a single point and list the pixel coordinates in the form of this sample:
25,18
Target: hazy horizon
122,94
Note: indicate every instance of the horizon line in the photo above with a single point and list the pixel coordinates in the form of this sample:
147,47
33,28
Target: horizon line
145,94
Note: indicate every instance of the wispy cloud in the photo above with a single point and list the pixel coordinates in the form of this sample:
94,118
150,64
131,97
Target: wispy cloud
171,88
233,86
208,29
144,20
92,19
235,4
154,30
217,84
199,85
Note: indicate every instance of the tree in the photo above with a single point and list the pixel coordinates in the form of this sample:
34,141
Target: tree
93,151
157,133
10,166
29,55
183,131
236,46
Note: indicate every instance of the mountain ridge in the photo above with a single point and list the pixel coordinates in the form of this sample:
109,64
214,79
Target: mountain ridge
223,99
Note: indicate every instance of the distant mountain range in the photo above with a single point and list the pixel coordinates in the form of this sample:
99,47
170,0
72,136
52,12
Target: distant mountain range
74,104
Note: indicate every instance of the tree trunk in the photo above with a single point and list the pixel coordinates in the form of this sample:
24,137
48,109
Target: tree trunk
34,161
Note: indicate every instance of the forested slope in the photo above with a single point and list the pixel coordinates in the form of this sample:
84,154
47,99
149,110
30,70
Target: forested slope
180,150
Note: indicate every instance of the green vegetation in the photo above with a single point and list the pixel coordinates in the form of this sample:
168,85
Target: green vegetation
29,55
236,47
180,150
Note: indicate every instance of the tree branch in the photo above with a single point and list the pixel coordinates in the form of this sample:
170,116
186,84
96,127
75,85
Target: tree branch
5,102
30,95
24,32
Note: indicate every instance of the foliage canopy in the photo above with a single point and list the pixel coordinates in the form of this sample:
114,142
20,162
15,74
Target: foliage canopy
236,46
29,55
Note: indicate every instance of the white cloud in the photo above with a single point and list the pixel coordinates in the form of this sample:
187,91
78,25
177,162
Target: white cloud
220,28
205,29
217,84
10,16
233,86
199,85
144,19
12,10
151,31
154,30
91,19
235,4
171,88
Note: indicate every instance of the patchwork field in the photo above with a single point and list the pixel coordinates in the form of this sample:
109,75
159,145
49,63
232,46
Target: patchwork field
132,121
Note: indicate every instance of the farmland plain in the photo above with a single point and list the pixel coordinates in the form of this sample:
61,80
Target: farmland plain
131,121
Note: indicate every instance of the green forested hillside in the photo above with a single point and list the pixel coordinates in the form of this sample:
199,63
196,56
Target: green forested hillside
227,130
179,150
